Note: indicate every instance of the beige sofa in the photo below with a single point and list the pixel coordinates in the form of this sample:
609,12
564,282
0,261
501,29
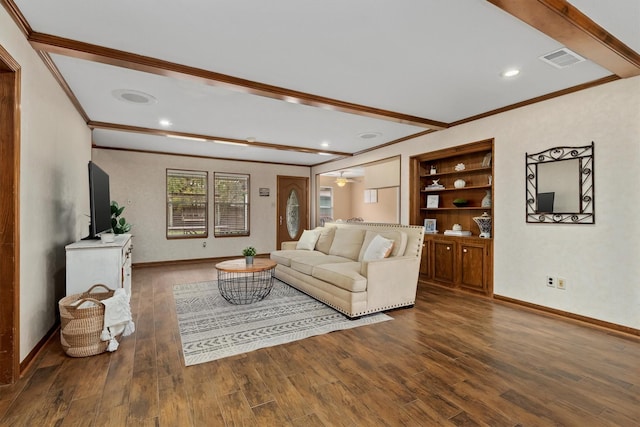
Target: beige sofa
346,269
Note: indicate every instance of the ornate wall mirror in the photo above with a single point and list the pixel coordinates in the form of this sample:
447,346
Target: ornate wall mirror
560,186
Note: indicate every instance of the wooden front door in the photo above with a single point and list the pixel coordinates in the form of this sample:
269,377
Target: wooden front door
293,208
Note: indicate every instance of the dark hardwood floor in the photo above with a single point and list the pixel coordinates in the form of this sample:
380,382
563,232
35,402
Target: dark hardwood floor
453,360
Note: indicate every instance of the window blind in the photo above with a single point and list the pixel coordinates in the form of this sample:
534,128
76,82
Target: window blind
231,204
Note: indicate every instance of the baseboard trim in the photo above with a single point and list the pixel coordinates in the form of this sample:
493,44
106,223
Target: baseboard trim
189,261
572,316
33,354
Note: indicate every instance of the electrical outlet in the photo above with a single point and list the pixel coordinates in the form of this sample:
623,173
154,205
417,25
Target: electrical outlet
204,244
551,281
561,283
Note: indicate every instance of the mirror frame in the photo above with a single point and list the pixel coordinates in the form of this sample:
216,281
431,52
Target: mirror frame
585,157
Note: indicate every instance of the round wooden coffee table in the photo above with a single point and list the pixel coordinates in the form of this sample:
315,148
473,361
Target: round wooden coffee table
242,283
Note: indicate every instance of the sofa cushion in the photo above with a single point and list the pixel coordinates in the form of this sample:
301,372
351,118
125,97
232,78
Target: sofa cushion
284,257
399,241
305,264
325,239
379,248
308,240
343,275
347,242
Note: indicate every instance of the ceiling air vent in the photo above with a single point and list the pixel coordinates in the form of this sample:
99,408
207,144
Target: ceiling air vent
562,58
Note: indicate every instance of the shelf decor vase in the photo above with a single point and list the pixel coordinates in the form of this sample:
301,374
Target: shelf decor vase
459,183
484,224
486,201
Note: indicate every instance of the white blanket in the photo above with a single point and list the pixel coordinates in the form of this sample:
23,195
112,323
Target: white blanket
117,318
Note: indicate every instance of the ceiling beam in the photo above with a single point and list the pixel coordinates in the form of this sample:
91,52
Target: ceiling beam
210,138
90,52
565,23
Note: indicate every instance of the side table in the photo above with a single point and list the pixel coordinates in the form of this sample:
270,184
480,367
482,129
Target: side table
242,283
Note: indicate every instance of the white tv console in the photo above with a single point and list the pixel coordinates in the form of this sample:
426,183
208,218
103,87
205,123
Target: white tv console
91,261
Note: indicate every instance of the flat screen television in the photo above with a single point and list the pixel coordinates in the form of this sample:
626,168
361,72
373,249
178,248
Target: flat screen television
99,202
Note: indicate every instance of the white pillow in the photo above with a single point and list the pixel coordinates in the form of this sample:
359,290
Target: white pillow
308,240
379,248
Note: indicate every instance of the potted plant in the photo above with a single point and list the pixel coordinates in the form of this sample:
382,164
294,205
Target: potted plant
118,224
249,252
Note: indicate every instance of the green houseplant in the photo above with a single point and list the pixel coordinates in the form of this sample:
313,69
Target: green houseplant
249,252
118,224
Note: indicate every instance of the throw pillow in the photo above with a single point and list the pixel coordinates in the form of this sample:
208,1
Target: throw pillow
325,239
308,240
379,248
347,243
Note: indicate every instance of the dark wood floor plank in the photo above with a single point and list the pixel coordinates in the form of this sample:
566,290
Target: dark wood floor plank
288,400
119,376
419,413
203,401
174,405
251,383
270,414
143,397
115,416
236,410
32,397
310,420
454,359
82,412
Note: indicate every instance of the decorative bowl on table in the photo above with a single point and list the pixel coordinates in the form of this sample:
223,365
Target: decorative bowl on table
460,202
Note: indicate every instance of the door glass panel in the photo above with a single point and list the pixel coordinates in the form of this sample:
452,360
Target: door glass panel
293,214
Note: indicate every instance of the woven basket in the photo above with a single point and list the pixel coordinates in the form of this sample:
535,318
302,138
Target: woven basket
80,328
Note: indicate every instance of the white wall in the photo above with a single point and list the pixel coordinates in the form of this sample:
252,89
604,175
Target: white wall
600,262
141,179
55,146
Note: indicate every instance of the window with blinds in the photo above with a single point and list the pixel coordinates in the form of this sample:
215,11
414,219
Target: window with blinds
231,204
187,204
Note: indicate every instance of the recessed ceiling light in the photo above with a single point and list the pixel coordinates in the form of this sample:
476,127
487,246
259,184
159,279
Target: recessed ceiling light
165,123
511,72
369,135
324,144
134,97
323,154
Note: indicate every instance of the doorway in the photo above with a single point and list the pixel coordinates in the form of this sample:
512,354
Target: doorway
293,208
9,217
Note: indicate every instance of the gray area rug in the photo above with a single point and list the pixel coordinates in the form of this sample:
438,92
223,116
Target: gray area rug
211,328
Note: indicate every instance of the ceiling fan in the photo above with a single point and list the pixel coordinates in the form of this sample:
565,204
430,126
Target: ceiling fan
342,181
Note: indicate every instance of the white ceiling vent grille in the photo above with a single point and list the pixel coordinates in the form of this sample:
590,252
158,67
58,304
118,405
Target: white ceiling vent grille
562,58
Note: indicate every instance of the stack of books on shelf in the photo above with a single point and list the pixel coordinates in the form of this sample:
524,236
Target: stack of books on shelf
457,233
434,187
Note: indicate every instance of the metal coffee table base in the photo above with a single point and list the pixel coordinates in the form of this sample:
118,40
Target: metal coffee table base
245,288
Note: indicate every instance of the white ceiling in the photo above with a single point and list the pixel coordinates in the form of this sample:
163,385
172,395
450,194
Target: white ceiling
436,61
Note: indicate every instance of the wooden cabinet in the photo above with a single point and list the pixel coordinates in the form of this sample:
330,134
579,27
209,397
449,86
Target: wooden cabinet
443,260
92,261
454,261
425,263
474,261
458,262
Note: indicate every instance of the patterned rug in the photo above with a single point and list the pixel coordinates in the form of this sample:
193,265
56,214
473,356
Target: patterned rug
211,328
